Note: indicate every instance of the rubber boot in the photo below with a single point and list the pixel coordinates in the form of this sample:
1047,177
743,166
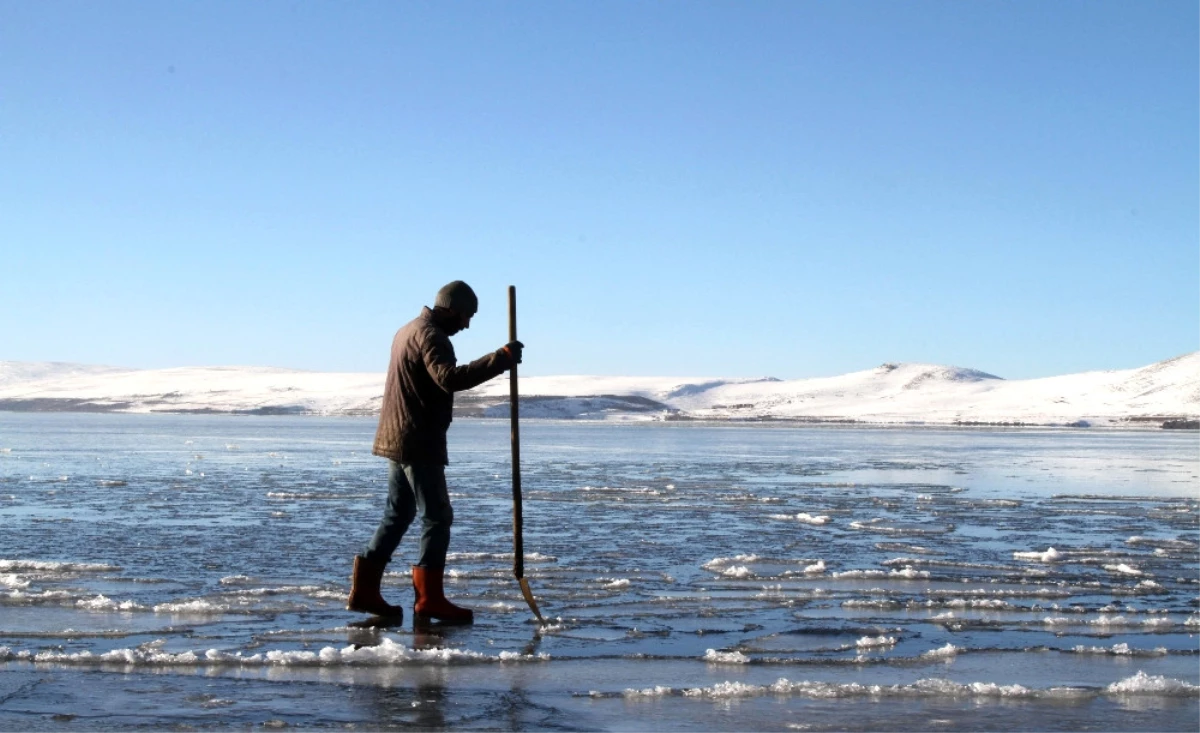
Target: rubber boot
431,600
364,590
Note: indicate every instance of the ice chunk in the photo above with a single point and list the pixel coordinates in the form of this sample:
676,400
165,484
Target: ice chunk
1121,650
806,518
927,688
945,652
196,607
1142,684
657,691
725,690
1167,544
718,563
863,574
1050,555
56,567
104,603
714,656
12,580
1123,569
872,642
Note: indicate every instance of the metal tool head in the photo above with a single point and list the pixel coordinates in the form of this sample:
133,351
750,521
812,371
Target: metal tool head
525,591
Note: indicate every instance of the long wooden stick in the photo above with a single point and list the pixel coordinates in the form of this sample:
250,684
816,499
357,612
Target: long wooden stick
518,518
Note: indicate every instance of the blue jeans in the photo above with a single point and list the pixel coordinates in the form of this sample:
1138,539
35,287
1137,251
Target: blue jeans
412,488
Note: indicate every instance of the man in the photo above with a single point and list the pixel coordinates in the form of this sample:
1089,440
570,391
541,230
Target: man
418,399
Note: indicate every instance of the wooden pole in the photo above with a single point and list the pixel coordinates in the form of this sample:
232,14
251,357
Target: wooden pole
515,436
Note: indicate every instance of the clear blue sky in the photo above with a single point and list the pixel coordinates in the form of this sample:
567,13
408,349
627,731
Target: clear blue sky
792,189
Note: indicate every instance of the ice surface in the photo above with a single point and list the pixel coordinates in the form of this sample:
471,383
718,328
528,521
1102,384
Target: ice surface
652,549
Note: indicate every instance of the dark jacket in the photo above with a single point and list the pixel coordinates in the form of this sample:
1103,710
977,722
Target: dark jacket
418,394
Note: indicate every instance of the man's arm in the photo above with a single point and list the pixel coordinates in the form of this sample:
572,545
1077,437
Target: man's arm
443,366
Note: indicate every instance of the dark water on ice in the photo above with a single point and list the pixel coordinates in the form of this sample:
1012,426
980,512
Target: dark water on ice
164,571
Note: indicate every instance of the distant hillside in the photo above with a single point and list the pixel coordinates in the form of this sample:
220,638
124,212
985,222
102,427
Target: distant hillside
1163,394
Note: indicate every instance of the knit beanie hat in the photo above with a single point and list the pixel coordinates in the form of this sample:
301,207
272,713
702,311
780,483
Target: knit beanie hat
458,296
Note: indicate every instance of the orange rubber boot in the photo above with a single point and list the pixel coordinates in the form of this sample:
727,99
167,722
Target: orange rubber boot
364,590
431,600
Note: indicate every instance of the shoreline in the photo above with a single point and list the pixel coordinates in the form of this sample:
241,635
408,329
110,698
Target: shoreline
1181,423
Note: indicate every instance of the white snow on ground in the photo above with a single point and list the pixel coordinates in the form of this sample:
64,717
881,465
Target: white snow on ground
889,394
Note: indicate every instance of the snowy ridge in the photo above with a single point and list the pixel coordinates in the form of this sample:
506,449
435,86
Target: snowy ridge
1168,391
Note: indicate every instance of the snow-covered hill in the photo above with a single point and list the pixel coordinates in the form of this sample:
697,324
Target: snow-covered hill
889,394
266,390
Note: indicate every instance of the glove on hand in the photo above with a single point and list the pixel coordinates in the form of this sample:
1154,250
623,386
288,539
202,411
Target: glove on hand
514,349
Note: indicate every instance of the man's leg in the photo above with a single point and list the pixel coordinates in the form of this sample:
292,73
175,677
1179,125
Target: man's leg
398,514
433,501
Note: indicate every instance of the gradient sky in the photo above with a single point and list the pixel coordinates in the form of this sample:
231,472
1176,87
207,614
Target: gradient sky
792,189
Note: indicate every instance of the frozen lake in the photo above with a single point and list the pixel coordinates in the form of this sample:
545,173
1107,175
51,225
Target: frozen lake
158,571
